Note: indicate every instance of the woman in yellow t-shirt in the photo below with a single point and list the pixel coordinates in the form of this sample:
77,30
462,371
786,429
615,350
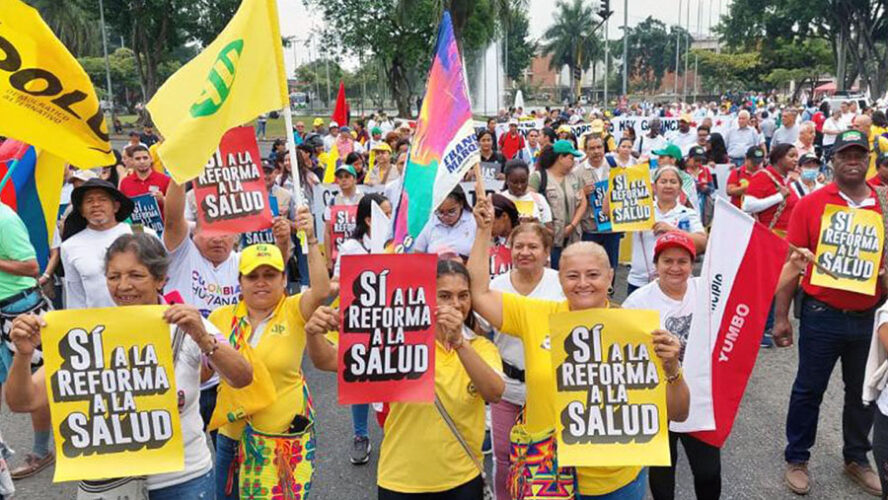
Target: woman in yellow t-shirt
585,276
273,325
420,456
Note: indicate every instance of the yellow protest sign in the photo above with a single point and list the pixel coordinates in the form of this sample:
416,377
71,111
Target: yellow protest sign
610,398
631,199
526,208
112,393
850,245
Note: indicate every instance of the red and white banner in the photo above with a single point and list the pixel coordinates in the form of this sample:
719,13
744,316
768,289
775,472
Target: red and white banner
741,269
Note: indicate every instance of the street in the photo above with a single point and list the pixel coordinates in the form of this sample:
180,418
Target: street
752,462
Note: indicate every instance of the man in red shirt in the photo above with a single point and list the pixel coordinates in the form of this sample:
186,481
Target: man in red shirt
834,324
511,142
738,180
144,179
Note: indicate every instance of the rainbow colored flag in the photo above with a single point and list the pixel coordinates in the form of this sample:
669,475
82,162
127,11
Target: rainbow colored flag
33,191
444,146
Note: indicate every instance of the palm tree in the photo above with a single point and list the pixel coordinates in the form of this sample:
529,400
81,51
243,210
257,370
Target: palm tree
572,40
73,23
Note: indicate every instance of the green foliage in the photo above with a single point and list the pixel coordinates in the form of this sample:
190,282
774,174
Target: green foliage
521,48
75,24
572,40
728,70
651,52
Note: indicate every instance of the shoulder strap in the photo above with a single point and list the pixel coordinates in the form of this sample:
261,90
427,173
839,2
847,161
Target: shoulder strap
782,206
452,425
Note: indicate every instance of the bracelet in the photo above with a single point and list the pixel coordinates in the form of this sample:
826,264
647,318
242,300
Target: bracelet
212,350
671,379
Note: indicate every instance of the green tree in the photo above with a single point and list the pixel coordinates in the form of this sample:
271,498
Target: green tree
520,47
401,35
572,39
74,24
651,52
723,71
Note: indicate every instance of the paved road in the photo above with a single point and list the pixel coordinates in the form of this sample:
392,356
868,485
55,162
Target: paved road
752,461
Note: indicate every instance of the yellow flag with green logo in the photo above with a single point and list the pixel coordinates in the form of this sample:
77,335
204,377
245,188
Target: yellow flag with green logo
233,80
46,98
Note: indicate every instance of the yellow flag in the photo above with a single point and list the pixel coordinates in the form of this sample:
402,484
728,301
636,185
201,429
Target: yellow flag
331,161
46,98
236,78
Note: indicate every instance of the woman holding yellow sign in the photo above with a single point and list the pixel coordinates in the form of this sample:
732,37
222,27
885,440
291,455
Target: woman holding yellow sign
136,270
585,276
669,215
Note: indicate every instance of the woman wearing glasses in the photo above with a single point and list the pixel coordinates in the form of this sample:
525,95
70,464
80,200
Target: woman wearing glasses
452,227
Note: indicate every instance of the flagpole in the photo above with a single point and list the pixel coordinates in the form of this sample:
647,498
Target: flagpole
291,151
8,175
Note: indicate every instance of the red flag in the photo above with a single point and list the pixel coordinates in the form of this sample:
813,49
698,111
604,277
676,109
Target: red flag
340,114
739,275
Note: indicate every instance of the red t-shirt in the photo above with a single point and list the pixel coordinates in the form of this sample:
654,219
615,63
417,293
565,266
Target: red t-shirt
818,118
804,231
762,186
510,145
739,174
132,186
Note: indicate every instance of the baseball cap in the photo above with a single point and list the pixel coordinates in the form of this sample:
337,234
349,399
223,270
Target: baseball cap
809,157
850,138
345,129
685,117
755,154
382,146
318,122
564,128
333,124
348,168
672,239
697,152
262,254
670,150
513,121
565,147
375,130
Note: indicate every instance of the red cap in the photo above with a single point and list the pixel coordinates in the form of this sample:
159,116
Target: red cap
677,239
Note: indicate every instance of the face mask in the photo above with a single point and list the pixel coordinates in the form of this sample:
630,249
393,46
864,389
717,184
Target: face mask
809,174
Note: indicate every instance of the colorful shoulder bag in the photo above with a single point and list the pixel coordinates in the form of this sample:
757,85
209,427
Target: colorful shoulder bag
534,473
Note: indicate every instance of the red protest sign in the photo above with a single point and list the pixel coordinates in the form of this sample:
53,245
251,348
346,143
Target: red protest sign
500,260
387,328
230,193
342,225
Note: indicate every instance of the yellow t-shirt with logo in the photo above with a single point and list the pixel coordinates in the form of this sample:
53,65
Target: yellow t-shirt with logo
419,453
280,347
528,319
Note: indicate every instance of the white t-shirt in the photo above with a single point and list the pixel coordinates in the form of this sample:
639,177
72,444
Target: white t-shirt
198,460
685,141
543,210
201,284
351,246
675,315
642,271
644,144
83,258
834,126
511,348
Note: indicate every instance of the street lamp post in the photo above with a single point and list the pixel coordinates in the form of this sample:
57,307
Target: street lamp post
625,46
107,63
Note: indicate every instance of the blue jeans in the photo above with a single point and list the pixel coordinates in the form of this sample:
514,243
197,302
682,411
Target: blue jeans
555,257
226,454
201,487
207,407
632,491
825,335
360,413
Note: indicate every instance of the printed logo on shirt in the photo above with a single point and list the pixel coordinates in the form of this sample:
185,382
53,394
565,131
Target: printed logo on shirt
472,390
213,294
278,329
680,326
547,343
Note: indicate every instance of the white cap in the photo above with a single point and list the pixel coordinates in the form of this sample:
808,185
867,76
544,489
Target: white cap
84,175
513,121
333,124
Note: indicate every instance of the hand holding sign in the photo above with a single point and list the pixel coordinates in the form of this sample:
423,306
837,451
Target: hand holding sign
667,347
281,229
188,319
305,222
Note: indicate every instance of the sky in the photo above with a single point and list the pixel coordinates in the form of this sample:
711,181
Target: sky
299,22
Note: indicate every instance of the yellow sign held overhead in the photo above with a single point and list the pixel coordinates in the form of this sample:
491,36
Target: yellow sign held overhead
631,198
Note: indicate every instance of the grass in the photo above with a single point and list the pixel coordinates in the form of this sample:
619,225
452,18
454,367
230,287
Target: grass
274,129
